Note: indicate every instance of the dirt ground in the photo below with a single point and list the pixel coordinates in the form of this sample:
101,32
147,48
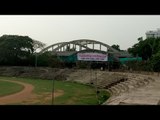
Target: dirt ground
19,96
26,95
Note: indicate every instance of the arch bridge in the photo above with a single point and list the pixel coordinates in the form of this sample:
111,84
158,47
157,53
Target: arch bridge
74,46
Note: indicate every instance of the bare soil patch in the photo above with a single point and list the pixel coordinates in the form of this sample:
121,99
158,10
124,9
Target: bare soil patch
26,93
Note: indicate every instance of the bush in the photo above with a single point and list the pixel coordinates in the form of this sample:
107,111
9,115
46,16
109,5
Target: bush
139,65
155,62
83,64
103,96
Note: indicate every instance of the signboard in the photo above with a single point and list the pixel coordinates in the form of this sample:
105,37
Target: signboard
92,57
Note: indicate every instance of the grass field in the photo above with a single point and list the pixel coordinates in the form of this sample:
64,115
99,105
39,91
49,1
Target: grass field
7,88
71,93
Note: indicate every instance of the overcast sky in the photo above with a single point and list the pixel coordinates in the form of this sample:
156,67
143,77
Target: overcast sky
110,29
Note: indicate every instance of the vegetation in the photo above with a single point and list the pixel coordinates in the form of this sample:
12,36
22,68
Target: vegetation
83,64
117,47
149,50
155,62
73,93
17,50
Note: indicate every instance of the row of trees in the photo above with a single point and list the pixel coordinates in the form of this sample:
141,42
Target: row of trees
149,50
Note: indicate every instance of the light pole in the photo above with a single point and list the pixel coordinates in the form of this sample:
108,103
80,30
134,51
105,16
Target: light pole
36,59
52,92
97,91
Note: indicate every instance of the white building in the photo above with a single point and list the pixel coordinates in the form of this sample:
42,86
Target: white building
153,34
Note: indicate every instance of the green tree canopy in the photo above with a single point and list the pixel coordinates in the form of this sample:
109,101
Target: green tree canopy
155,62
145,48
15,48
38,45
116,47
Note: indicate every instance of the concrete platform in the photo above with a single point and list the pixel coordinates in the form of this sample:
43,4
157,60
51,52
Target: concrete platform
145,95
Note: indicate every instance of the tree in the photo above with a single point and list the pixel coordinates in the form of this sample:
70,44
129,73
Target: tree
145,48
149,50
155,62
140,39
16,50
50,60
38,45
116,47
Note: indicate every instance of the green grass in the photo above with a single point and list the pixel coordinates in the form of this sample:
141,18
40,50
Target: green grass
7,88
74,93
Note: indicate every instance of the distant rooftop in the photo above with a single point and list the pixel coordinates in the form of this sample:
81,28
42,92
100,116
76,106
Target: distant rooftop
153,34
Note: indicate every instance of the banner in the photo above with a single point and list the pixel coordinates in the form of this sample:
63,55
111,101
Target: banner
92,57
